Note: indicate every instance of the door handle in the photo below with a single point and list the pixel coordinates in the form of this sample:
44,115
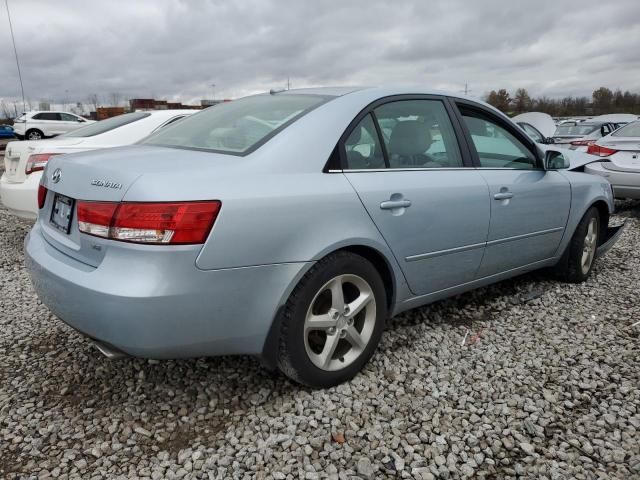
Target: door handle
391,204
503,196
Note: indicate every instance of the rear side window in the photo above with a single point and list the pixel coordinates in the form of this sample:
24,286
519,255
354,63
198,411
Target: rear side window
47,116
237,127
418,134
631,130
496,147
107,125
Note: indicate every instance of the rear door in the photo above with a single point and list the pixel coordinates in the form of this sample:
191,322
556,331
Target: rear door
529,206
416,181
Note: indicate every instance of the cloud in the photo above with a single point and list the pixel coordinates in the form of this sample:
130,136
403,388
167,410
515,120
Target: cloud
176,49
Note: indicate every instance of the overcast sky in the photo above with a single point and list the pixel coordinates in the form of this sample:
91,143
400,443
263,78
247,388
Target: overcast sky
176,49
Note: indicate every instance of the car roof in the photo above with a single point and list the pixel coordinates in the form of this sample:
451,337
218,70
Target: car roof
381,91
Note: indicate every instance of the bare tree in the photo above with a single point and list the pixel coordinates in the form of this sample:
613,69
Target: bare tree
94,100
114,99
5,109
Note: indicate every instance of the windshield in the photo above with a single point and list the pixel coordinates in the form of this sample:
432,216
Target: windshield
237,127
578,130
630,130
107,125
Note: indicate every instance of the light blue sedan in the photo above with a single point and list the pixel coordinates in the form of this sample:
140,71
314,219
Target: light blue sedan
292,225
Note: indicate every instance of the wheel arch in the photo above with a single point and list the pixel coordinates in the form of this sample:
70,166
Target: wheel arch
603,210
33,129
378,259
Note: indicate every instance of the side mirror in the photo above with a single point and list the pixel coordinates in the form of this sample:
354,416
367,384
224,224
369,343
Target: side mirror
554,160
549,141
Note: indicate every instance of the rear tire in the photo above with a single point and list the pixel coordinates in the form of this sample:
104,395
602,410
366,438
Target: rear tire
332,322
577,261
34,134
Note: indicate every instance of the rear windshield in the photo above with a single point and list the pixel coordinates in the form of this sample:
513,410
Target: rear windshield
106,125
579,130
630,130
237,127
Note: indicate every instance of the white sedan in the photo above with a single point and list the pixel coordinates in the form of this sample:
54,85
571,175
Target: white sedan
24,161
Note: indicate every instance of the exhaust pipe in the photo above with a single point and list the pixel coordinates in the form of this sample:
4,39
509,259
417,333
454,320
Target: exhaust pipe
108,351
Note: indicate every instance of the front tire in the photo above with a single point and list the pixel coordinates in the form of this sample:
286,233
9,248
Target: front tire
577,261
333,321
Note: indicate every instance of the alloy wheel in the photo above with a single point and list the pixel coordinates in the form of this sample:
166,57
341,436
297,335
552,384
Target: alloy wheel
339,322
590,244
35,136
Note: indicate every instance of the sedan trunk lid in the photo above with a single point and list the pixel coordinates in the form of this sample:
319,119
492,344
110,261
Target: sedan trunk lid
17,154
108,176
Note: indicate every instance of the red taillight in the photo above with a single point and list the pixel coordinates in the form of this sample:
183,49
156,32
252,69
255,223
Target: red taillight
37,162
600,151
42,195
582,143
172,223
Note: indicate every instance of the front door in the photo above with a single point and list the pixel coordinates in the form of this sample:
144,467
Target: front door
529,206
431,207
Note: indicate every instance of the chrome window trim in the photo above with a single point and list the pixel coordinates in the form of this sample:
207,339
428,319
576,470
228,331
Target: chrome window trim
427,169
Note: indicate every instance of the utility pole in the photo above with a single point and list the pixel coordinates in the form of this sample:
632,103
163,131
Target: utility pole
213,91
15,51
288,82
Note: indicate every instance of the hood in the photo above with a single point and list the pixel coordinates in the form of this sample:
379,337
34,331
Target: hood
541,121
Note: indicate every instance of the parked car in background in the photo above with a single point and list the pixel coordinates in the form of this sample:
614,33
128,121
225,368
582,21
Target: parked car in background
619,160
538,125
24,161
43,124
618,119
581,135
291,225
6,131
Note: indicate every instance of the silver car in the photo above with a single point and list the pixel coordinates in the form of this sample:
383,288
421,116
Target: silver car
292,225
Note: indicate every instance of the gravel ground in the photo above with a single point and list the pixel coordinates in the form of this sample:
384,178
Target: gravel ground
547,385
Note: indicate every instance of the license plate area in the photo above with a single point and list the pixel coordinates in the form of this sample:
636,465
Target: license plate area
62,213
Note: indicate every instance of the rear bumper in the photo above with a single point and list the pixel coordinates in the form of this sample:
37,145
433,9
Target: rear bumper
21,199
625,184
156,303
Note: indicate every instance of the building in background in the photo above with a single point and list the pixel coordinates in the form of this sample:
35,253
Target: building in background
103,113
153,104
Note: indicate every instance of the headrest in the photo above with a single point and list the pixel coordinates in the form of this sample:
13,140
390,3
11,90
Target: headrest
409,138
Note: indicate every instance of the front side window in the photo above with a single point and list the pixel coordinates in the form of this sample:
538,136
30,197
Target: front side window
630,130
496,147
362,147
237,127
418,134
66,117
107,125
